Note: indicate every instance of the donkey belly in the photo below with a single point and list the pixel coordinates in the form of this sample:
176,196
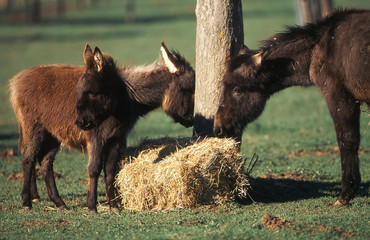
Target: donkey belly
351,55
58,117
357,70
44,98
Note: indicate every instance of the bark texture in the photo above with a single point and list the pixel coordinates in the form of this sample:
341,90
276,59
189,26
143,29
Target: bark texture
309,11
219,36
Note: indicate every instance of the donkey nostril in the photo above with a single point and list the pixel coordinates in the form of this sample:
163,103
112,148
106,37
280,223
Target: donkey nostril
217,131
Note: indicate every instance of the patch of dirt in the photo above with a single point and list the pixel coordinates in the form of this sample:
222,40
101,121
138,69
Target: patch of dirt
322,152
19,176
324,228
274,223
15,176
8,152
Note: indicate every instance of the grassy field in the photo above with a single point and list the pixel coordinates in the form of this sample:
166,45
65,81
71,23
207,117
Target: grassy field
294,138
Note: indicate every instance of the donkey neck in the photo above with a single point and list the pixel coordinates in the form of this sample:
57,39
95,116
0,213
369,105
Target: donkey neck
287,61
146,85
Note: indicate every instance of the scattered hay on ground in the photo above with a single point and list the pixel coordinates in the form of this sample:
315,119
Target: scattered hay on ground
171,173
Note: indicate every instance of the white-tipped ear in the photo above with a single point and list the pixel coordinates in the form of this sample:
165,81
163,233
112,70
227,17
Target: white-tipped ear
257,59
171,67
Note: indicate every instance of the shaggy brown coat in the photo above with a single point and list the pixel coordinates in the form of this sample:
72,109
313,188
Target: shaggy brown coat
332,54
47,99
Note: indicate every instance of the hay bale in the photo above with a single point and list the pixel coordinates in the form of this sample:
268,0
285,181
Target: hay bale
178,173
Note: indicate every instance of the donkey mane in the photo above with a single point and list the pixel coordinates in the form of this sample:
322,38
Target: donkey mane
135,79
331,54
142,69
309,32
179,57
110,63
109,58
290,51
131,73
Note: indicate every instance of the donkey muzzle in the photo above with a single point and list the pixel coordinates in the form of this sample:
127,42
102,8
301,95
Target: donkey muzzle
84,125
218,131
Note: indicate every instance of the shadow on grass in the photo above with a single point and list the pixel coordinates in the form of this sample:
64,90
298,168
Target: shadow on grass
270,190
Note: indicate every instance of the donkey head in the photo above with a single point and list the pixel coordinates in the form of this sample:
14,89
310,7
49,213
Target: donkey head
243,96
178,100
95,89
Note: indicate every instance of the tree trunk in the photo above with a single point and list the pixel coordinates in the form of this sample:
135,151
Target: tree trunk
33,11
326,7
61,9
130,10
310,10
219,36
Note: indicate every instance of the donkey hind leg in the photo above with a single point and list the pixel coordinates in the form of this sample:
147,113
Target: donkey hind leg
28,166
110,172
345,112
51,149
35,197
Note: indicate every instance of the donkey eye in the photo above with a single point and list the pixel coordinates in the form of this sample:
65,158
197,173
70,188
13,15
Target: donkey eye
92,94
237,90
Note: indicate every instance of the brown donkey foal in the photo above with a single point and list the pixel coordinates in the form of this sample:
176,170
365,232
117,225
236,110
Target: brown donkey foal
332,54
53,103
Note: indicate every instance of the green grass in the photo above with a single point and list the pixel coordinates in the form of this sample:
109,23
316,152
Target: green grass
294,136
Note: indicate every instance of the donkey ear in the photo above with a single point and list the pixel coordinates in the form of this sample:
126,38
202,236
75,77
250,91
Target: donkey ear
257,58
167,61
87,53
98,60
243,50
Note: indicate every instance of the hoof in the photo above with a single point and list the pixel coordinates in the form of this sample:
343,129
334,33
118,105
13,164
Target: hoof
63,207
35,199
26,208
338,203
115,209
93,211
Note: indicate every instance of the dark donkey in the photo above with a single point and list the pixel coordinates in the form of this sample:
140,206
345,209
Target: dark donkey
105,100
333,54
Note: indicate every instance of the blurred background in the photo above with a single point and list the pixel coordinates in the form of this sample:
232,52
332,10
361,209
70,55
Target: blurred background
37,32
294,138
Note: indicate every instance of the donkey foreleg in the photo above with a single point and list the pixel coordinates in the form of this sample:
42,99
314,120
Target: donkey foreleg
345,112
94,170
110,172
